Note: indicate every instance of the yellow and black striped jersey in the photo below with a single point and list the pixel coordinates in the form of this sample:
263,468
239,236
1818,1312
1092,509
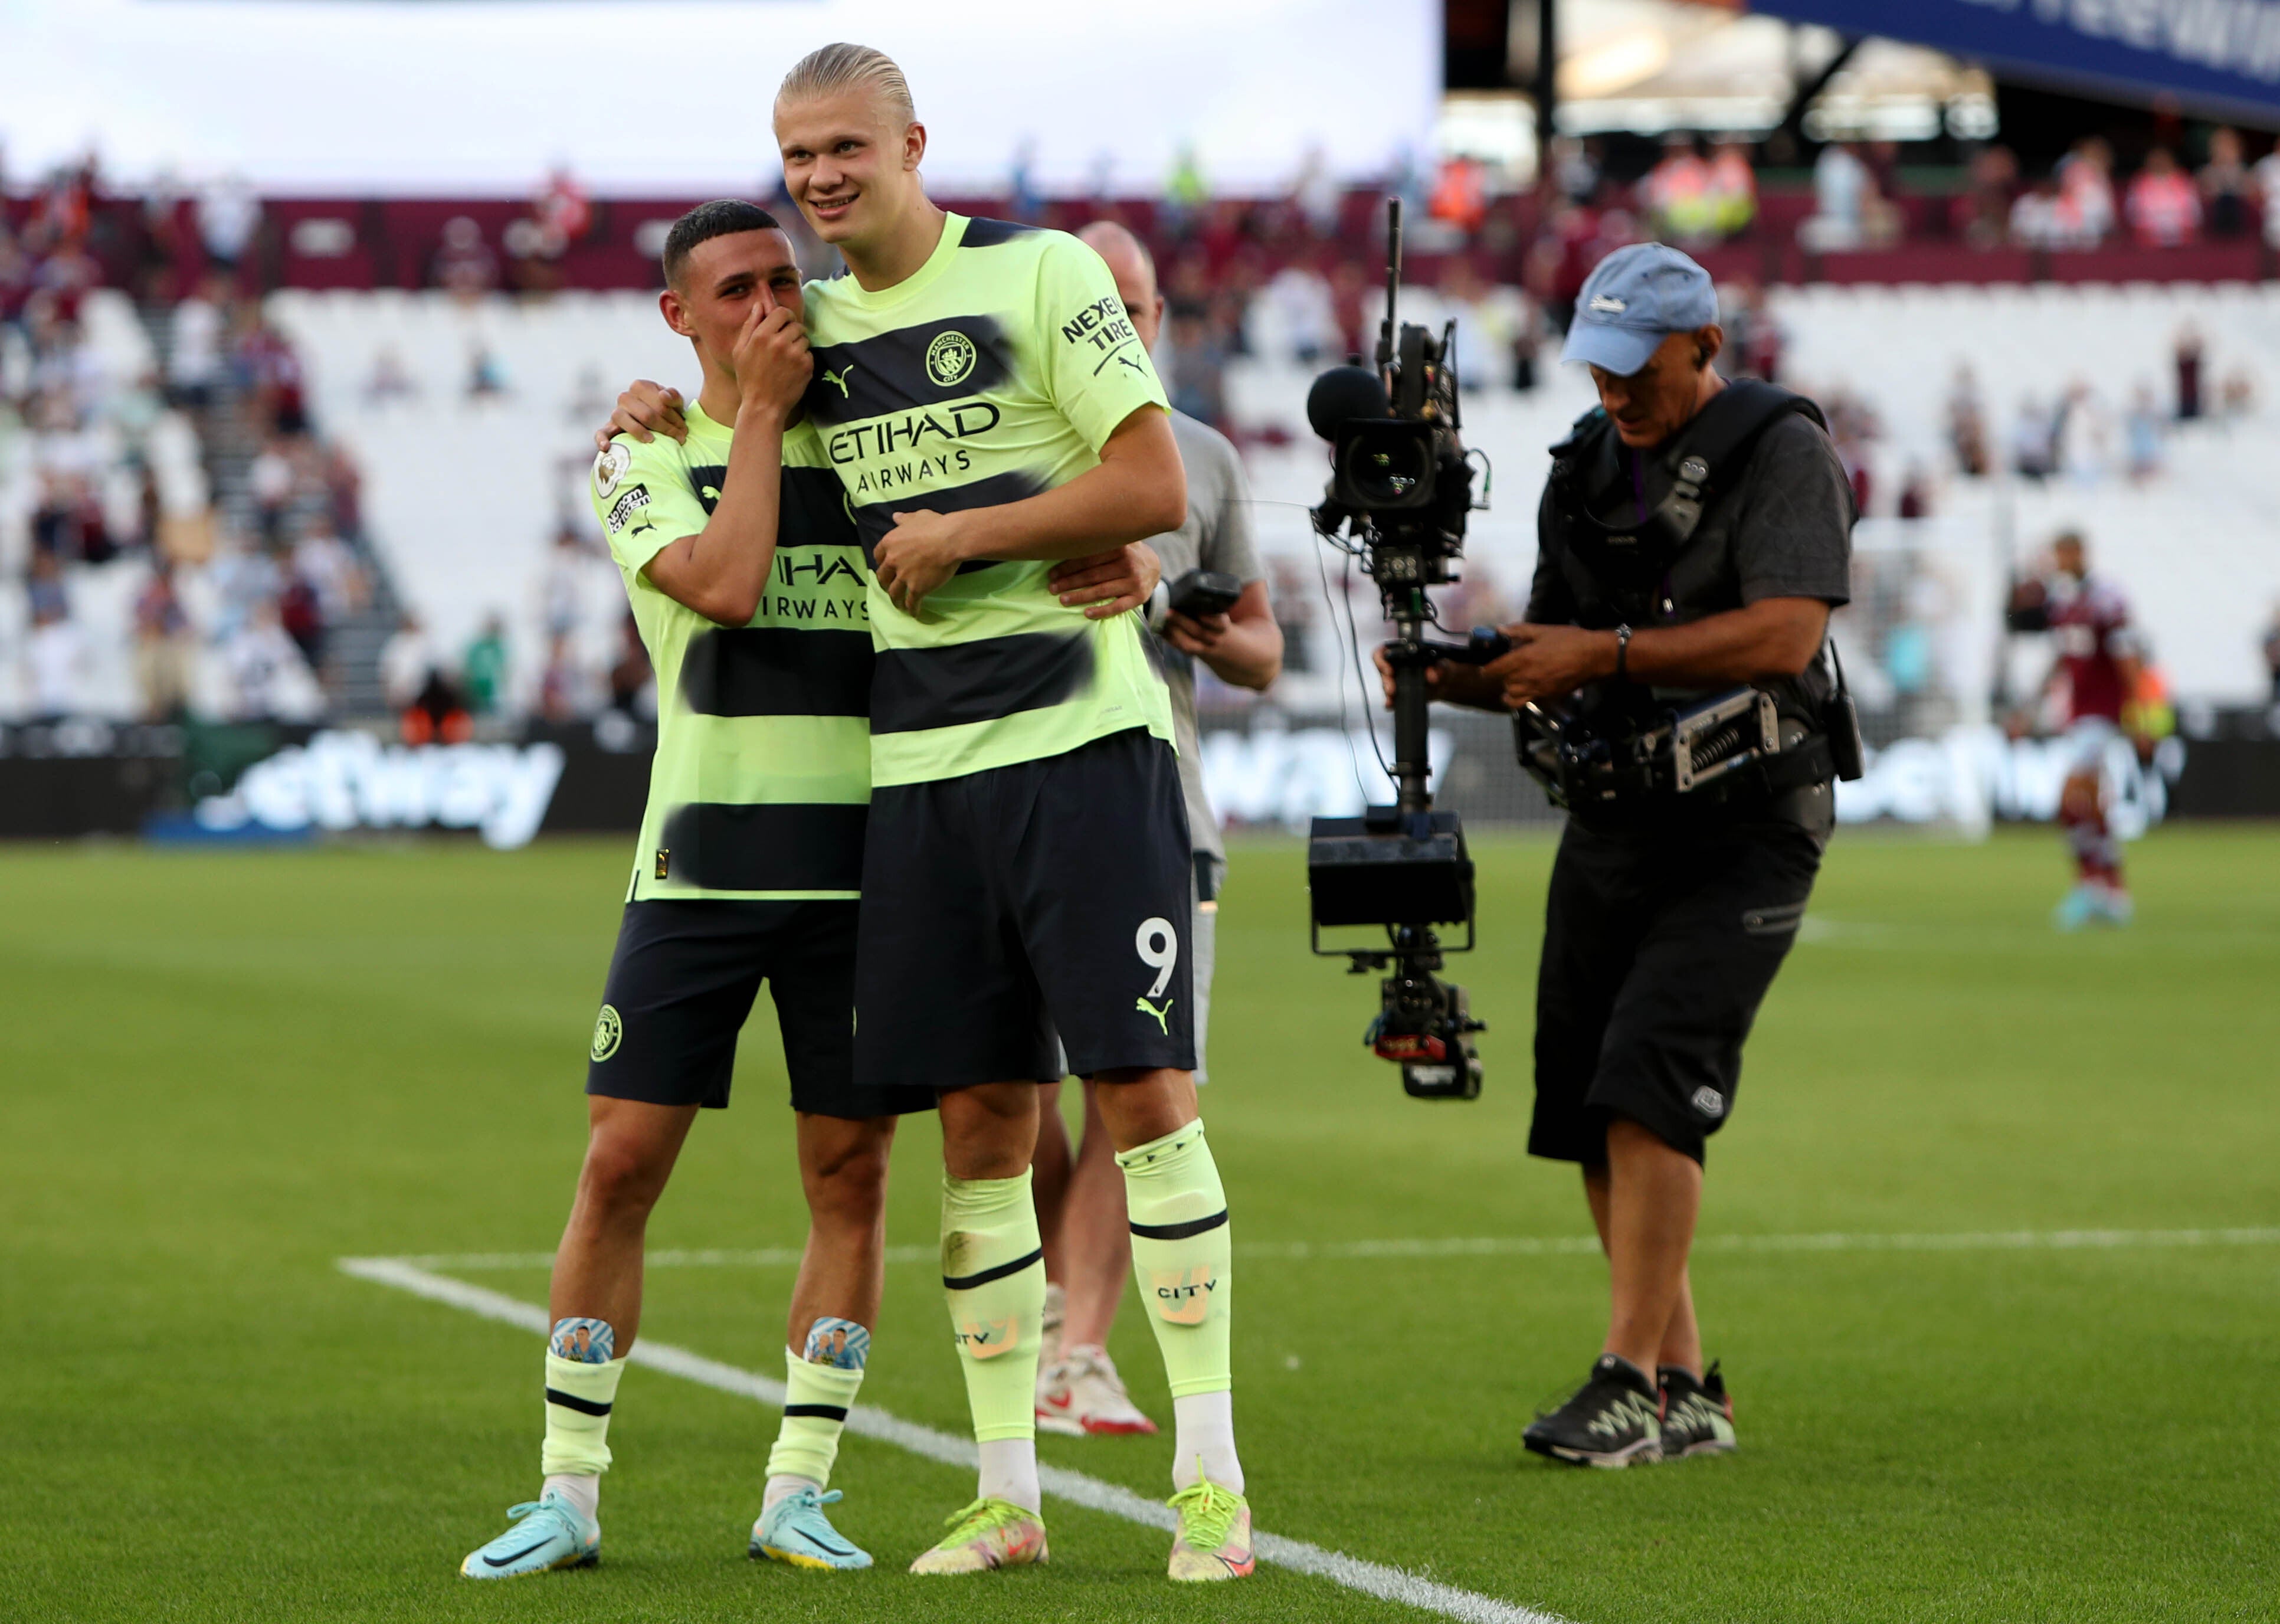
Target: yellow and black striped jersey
761,783
995,372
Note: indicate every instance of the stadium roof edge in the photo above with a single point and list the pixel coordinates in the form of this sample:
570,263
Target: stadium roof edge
2219,58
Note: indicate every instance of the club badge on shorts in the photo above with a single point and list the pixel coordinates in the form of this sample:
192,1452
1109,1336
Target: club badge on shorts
607,1030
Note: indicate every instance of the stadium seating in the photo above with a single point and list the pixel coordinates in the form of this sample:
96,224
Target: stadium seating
463,493
2197,548
123,425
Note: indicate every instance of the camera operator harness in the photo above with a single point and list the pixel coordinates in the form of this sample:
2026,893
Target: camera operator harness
1628,752
1401,485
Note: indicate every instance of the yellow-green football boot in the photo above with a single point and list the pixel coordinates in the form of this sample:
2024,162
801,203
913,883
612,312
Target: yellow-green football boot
987,1533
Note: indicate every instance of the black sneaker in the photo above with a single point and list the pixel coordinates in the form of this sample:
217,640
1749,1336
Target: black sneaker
1698,1418
1612,1419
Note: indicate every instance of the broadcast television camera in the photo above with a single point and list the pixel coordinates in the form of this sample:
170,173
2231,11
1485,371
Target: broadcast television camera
1401,484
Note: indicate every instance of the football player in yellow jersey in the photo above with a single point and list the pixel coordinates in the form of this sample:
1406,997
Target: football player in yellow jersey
988,408
748,870
852,149
698,548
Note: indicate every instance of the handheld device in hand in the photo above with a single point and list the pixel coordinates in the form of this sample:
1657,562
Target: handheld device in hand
1201,592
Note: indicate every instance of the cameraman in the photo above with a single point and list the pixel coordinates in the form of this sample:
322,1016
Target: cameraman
1668,913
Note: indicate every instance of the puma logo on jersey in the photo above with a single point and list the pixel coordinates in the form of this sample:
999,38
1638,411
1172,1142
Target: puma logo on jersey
1163,1016
838,380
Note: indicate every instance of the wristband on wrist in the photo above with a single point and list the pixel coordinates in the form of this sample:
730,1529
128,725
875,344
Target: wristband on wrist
1623,653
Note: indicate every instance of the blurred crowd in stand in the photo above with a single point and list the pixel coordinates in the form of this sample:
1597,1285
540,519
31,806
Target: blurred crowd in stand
2084,436
175,542
2079,203
170,513
532,245
443,695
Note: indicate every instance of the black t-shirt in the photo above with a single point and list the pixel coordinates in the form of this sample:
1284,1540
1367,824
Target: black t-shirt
1783,529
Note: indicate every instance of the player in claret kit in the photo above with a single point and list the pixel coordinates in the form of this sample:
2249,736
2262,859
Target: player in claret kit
2095,679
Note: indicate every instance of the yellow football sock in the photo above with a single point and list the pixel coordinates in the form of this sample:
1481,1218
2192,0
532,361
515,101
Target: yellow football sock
816,1402
993,1274
578,1400
1181,1254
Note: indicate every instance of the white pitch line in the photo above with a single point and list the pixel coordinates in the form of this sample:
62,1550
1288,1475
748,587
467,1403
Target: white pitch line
1480,1246
2000,1240
1370,1578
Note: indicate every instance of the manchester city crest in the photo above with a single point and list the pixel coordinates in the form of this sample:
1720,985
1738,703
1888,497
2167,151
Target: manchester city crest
607,1030
950,359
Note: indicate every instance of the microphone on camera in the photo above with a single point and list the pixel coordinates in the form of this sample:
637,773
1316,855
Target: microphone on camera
1341,394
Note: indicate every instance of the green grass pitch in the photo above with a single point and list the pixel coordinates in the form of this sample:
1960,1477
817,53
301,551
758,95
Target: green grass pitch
221,1073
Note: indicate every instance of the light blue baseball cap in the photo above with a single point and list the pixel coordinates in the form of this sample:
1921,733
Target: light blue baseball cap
1634,299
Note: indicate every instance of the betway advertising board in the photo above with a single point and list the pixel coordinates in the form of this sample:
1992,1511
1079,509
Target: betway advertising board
1272,772
342,779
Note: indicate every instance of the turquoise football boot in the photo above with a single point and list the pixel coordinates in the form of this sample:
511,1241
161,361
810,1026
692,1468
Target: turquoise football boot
2082,906
547,1532
795,1531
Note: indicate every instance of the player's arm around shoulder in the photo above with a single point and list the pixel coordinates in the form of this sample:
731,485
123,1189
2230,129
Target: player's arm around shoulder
722,570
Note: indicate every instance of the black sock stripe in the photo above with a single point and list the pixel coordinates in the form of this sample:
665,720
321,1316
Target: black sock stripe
571,1401
829,1412
1181,1232
967,1283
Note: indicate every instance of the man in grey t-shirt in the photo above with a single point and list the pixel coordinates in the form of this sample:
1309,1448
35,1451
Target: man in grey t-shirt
1081,1196
1242,647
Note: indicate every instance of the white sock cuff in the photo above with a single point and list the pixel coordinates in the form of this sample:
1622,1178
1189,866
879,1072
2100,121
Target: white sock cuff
583,1489
783,1486
1009,1472
1203,1425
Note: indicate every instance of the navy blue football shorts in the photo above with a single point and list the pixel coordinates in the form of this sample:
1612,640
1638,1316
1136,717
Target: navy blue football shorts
1028,922
682,984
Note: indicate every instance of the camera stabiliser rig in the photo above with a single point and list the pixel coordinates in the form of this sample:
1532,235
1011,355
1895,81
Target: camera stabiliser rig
1401,485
